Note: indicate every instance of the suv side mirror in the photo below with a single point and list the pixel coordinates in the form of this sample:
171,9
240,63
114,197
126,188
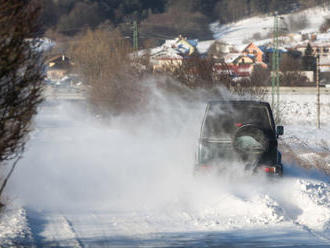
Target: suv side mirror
279,130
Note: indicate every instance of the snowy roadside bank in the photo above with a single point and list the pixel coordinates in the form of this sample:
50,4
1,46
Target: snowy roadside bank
14,228
303,143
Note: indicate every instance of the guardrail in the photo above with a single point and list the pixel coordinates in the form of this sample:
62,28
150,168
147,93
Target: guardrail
79,93
301,90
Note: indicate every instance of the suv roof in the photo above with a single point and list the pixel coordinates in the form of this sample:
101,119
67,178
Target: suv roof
248,102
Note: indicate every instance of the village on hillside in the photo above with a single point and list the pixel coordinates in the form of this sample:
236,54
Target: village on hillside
238,50
228,58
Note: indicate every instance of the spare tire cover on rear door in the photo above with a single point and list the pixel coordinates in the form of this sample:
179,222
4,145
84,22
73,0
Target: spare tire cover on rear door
251,140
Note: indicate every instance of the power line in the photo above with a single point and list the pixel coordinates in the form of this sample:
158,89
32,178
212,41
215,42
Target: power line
135,36
276,66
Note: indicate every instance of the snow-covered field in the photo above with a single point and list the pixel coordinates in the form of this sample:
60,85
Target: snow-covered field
129,183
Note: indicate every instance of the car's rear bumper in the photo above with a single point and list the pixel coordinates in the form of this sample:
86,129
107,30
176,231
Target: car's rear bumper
268,170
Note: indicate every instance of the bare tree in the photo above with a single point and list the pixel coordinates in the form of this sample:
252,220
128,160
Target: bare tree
197,73
217,50
194,72
106,62
255,86
21,75
291,72
290,63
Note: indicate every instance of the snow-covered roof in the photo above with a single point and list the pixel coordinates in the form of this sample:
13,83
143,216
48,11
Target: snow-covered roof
167,53
203,46
230,57
171,49
270,49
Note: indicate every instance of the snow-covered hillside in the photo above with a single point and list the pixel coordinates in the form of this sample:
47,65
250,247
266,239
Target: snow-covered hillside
241,32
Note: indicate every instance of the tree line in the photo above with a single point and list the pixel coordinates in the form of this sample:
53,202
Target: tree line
70,16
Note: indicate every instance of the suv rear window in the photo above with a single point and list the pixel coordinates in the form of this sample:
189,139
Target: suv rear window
223,119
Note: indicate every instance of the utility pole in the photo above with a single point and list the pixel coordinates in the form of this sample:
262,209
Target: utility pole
276,67
135,36
318,91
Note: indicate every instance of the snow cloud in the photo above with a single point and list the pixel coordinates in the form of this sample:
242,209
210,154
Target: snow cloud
144,163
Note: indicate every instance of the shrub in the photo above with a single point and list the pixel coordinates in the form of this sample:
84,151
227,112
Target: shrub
197,73
217,50
255,86
21,75
260,76
289,63
293,78
102,58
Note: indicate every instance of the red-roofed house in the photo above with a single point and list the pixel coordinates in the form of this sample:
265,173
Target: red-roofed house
254,50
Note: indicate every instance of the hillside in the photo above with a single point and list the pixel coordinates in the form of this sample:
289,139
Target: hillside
242,32
258,29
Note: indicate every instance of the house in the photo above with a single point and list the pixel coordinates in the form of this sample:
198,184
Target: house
171,54
236,65
219,50
325,63
255,51
164,59
269,51
242,70
59,62
185,46
322,49
244,59
229,58
242,64
58,66
318,48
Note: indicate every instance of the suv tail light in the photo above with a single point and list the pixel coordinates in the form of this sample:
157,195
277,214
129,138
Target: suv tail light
269,169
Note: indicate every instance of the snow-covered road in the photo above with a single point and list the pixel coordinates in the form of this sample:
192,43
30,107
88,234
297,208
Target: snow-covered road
144,229
83,184
291,213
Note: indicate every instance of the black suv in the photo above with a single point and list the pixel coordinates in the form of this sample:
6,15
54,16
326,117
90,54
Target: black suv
241,131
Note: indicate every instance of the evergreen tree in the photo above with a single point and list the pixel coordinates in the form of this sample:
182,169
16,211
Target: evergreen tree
309,61
309,50
63,12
